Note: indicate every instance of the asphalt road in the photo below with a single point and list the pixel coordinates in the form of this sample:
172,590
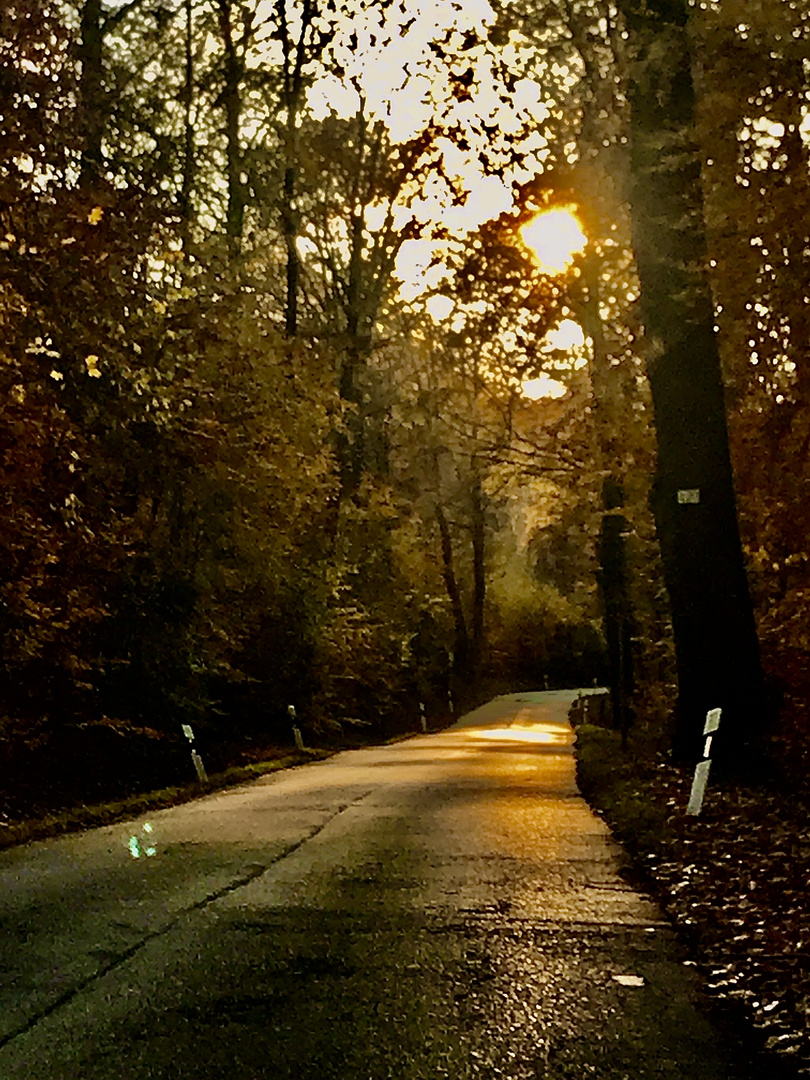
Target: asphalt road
447,906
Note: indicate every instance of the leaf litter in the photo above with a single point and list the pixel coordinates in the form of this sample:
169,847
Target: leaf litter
734,880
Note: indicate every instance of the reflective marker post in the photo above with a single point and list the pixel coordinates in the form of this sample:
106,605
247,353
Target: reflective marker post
702,768
299,739
422,719
202,775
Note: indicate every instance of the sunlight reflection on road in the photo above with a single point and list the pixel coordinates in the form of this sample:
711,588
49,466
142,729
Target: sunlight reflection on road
516,718
539,733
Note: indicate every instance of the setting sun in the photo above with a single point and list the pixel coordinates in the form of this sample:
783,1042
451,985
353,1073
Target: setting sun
554,237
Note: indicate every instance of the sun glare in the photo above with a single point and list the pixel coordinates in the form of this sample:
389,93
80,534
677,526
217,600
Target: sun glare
544,387
554,237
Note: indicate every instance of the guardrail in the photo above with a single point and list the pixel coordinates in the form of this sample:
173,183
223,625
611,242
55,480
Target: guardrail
592,708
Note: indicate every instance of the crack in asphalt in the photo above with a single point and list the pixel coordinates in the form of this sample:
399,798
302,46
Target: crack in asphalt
121,958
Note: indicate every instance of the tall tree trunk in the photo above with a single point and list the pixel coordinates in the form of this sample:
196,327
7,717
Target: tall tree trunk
94,100
616,603
611,456
352,450
461,652
795,183
231,100
91,90
478,527
289,227
294,57
360,303
187,182
717,653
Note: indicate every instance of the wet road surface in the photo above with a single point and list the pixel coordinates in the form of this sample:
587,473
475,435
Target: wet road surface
447,906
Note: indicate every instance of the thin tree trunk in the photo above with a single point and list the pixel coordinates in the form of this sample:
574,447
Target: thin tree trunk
616,603
478,524
796,273
461,651
352,454
91,92
188,133
717,653
231,100
352,448
294,58
289,227
613,574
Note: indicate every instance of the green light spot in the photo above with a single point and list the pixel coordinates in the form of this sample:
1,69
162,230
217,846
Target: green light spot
134,847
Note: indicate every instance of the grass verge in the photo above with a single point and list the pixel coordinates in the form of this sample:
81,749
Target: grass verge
622,786
107,813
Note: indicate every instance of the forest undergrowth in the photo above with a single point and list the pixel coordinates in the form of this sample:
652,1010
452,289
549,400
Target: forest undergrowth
733,879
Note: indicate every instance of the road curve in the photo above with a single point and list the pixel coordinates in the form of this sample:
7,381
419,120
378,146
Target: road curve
446,906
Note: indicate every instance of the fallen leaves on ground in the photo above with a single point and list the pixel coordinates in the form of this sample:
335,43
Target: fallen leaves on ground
737,876
735,880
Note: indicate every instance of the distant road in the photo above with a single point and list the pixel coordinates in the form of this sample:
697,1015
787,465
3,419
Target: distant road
447,906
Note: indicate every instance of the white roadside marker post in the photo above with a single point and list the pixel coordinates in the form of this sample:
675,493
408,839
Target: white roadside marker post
422,719
197,761
702,768
299,738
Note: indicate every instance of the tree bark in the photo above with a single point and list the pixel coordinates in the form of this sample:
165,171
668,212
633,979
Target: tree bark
717,652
